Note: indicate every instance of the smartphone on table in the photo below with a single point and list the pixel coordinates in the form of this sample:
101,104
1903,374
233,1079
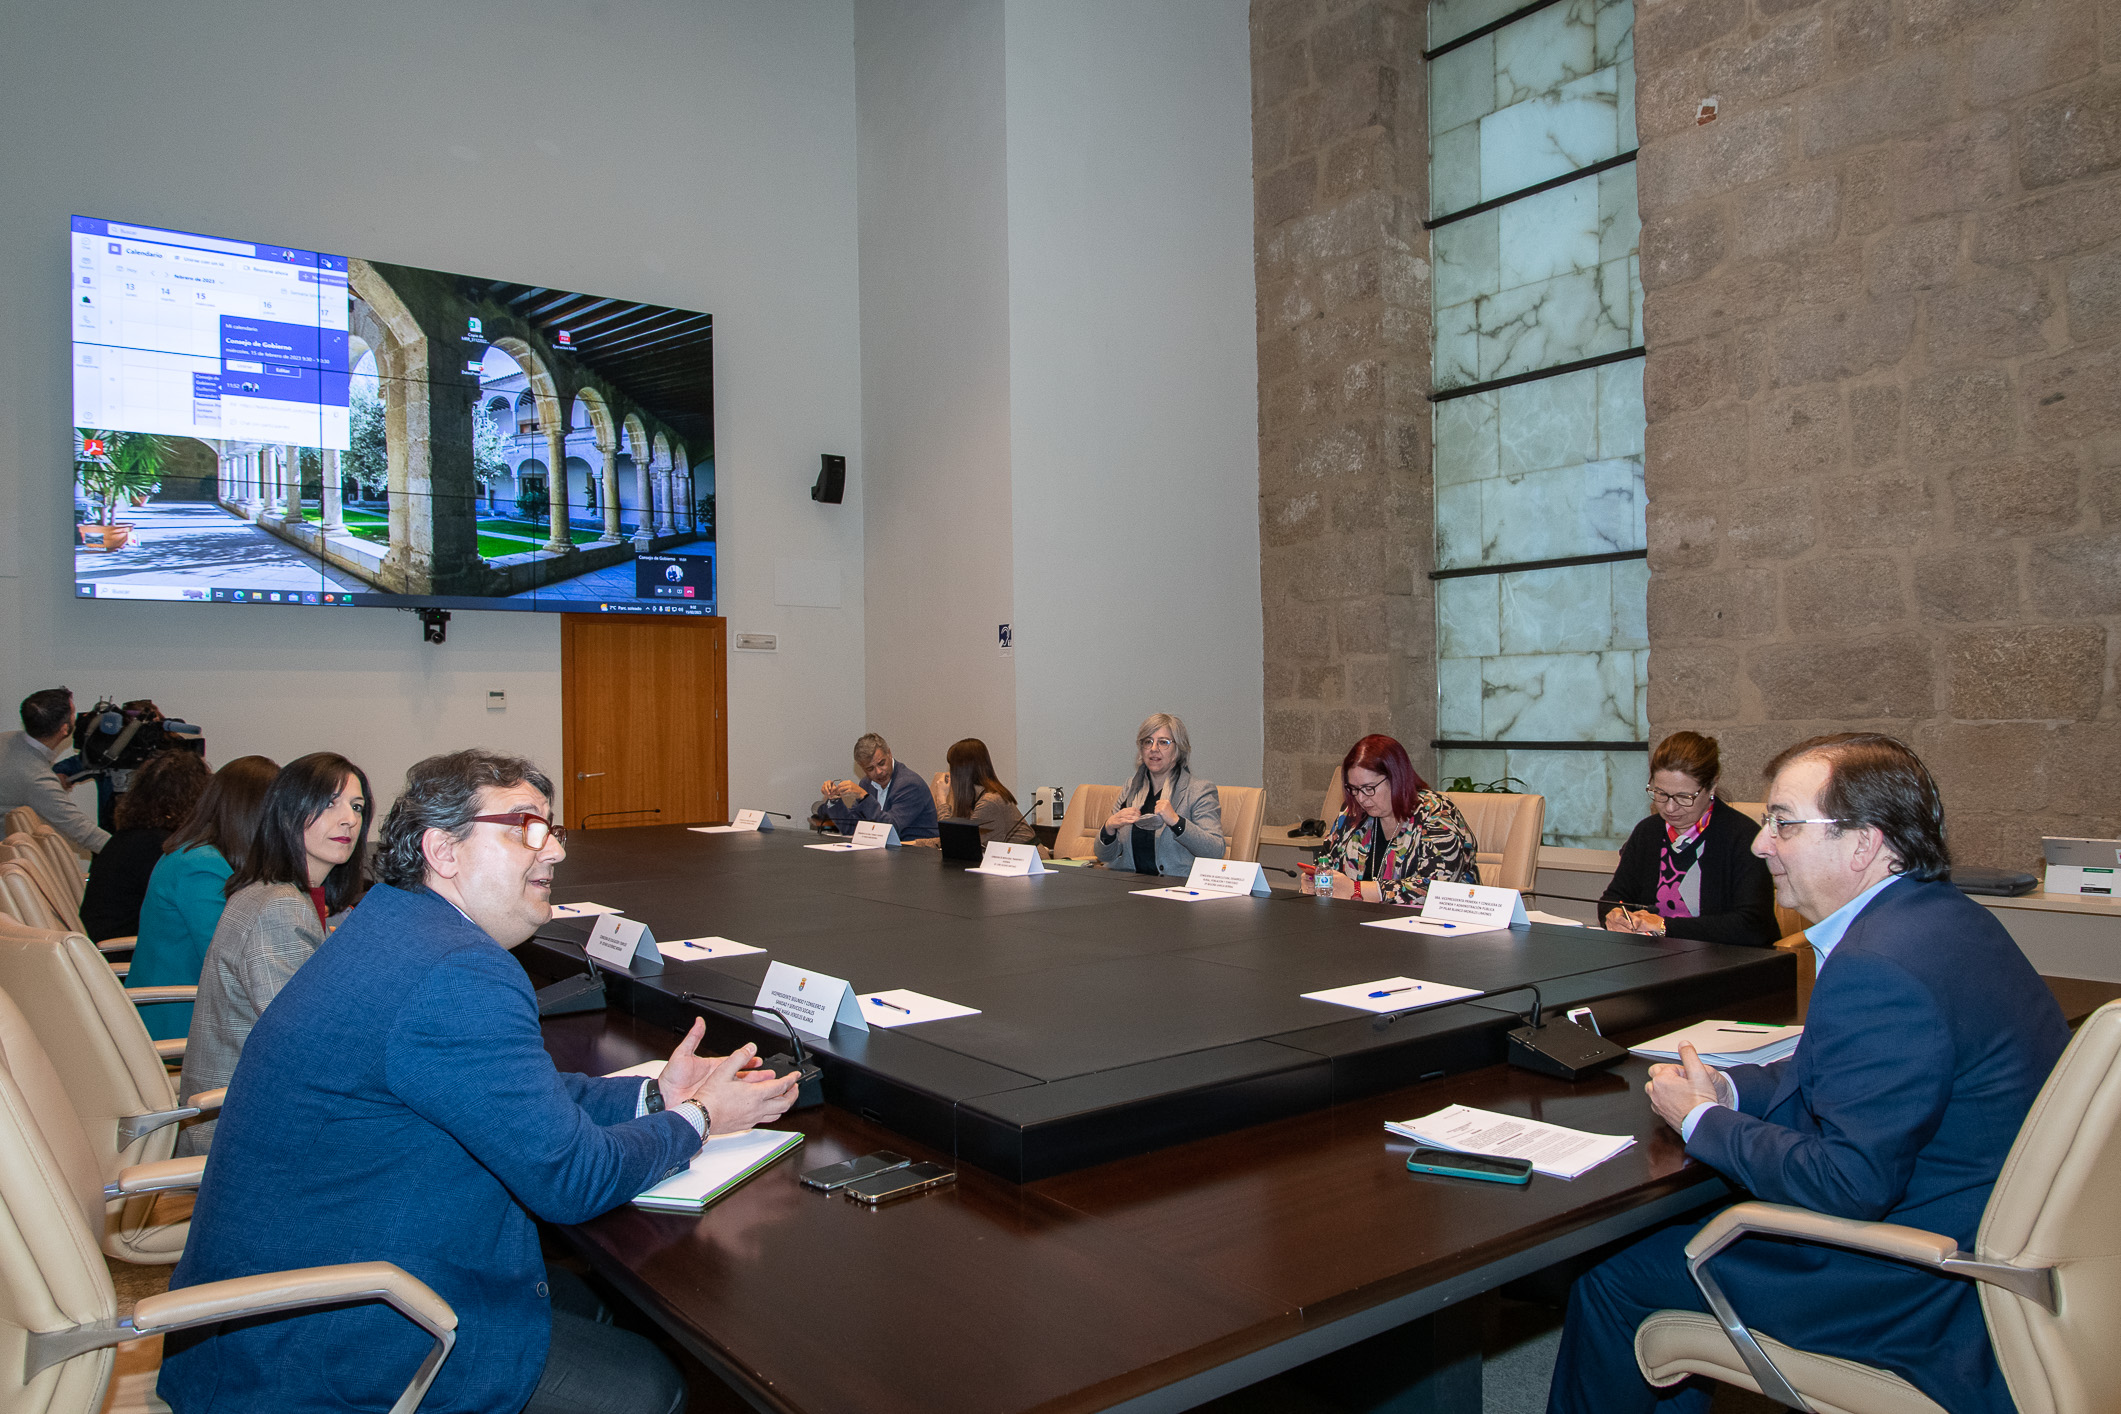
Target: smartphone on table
833,1177
899,1183
1492,1168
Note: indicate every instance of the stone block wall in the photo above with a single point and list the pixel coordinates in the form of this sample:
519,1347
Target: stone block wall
1883,388
1340,168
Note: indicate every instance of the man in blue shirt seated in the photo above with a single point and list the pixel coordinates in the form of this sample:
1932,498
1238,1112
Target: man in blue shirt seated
1928,1037
884,789
395,1103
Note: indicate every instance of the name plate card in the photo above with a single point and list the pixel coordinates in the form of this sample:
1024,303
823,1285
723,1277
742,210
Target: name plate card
624,943
1227,878
1010,861
1474,907
746,822
876,834
811,1001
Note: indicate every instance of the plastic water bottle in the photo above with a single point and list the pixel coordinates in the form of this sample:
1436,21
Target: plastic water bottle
1322,882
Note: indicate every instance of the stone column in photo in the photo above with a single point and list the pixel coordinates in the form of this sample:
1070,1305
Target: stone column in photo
608,477
643,533
253,483
333,514
291,465
556,488
1340,186
666,489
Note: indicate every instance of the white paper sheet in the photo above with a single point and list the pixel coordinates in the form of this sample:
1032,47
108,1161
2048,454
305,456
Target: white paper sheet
903,1008
837,846
1182,895
721,830
1392,994
1433,927
1726,1043
646,1070
700,949
1553,1150
583,910
1554,918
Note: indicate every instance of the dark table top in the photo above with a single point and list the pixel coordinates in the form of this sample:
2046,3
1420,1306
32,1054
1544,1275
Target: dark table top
1155,1281
1107,1024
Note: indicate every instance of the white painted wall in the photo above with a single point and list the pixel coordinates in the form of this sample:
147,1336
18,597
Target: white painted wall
1134,432
935,376
696,153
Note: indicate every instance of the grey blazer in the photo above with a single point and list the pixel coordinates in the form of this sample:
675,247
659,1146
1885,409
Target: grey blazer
265,933
1193,800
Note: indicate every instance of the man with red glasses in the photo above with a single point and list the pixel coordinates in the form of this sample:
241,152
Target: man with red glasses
395,1103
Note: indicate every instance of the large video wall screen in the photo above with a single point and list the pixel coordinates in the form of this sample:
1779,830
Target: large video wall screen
256,424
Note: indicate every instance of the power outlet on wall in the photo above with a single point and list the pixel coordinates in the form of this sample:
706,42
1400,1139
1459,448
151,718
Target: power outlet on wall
497,702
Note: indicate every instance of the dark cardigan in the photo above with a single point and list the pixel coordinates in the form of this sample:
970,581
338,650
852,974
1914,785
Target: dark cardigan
1737,895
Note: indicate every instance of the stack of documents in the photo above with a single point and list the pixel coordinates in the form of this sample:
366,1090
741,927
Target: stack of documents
1725,1043
723,1162
1554,1151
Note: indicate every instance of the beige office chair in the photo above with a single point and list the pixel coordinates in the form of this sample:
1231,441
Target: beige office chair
1328,811
19,819
126,1101
68,868
1241,809
1505,835
1089,806
54,879
58,1312
1789,925
2046,1259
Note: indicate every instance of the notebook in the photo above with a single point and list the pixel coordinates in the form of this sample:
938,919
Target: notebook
723,1162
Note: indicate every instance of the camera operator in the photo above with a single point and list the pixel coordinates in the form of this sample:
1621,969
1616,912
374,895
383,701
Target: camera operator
26,775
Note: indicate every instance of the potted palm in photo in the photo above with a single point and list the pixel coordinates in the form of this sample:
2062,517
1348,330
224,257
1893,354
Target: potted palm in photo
115,470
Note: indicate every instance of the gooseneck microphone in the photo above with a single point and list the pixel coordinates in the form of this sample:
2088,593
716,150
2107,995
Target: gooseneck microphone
1557,1048
810,1089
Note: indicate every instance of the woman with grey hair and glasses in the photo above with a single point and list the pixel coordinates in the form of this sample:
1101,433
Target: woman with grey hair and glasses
1167,818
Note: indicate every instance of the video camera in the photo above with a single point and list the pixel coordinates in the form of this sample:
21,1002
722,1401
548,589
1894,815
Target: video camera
117,737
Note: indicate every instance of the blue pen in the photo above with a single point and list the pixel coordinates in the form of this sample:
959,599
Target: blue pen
695,946
1390,990
879,1001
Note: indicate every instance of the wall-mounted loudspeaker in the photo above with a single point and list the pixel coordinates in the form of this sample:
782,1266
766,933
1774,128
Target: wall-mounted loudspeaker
831,480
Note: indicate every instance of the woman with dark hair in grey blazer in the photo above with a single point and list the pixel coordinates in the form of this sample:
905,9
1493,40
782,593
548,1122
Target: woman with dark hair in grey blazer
1166,818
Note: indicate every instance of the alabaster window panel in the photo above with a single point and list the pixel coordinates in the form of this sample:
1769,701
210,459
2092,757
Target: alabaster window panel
1536,99
1549,468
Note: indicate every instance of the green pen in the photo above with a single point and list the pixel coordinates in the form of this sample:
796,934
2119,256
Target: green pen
1747,1029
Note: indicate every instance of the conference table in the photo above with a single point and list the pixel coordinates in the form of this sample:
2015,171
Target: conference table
1279,1230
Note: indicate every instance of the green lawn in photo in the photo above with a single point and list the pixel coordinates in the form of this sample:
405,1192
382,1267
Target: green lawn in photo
496,537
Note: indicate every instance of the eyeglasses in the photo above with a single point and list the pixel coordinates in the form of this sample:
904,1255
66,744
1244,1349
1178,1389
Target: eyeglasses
536,828
1365,791
1783,824
1162,743
1665,797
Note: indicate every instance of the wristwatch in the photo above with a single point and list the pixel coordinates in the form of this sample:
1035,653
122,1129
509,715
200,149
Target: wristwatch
653,1103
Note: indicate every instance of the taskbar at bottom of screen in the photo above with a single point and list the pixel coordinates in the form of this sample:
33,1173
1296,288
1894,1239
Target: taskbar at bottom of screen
343,599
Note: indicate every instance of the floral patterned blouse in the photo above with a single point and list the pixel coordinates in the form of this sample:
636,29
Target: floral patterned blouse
1434,844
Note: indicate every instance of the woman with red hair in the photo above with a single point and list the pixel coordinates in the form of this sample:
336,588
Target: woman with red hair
1394,834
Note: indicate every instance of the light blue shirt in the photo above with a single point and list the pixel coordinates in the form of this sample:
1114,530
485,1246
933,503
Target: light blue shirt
1824,936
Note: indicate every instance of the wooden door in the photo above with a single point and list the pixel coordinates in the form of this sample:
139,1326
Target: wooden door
644,704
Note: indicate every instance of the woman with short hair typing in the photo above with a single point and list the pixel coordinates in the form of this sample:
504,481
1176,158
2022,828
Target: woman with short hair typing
1394,836
1166,818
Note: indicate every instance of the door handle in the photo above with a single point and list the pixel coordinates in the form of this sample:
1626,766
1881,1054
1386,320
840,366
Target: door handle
585,775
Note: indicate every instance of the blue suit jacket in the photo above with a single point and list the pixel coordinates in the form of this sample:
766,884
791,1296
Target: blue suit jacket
909,805
1928,1037
395,1103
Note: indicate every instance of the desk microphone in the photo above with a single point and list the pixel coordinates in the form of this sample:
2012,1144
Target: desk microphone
781,813
1557,1048
810,1090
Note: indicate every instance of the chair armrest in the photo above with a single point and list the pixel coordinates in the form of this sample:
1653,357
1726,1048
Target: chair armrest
159,1177
171,1050
121,970
1890,1240
209,1099
149,996
124,944
283,1291
139,1126
1906,1244
297,1290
